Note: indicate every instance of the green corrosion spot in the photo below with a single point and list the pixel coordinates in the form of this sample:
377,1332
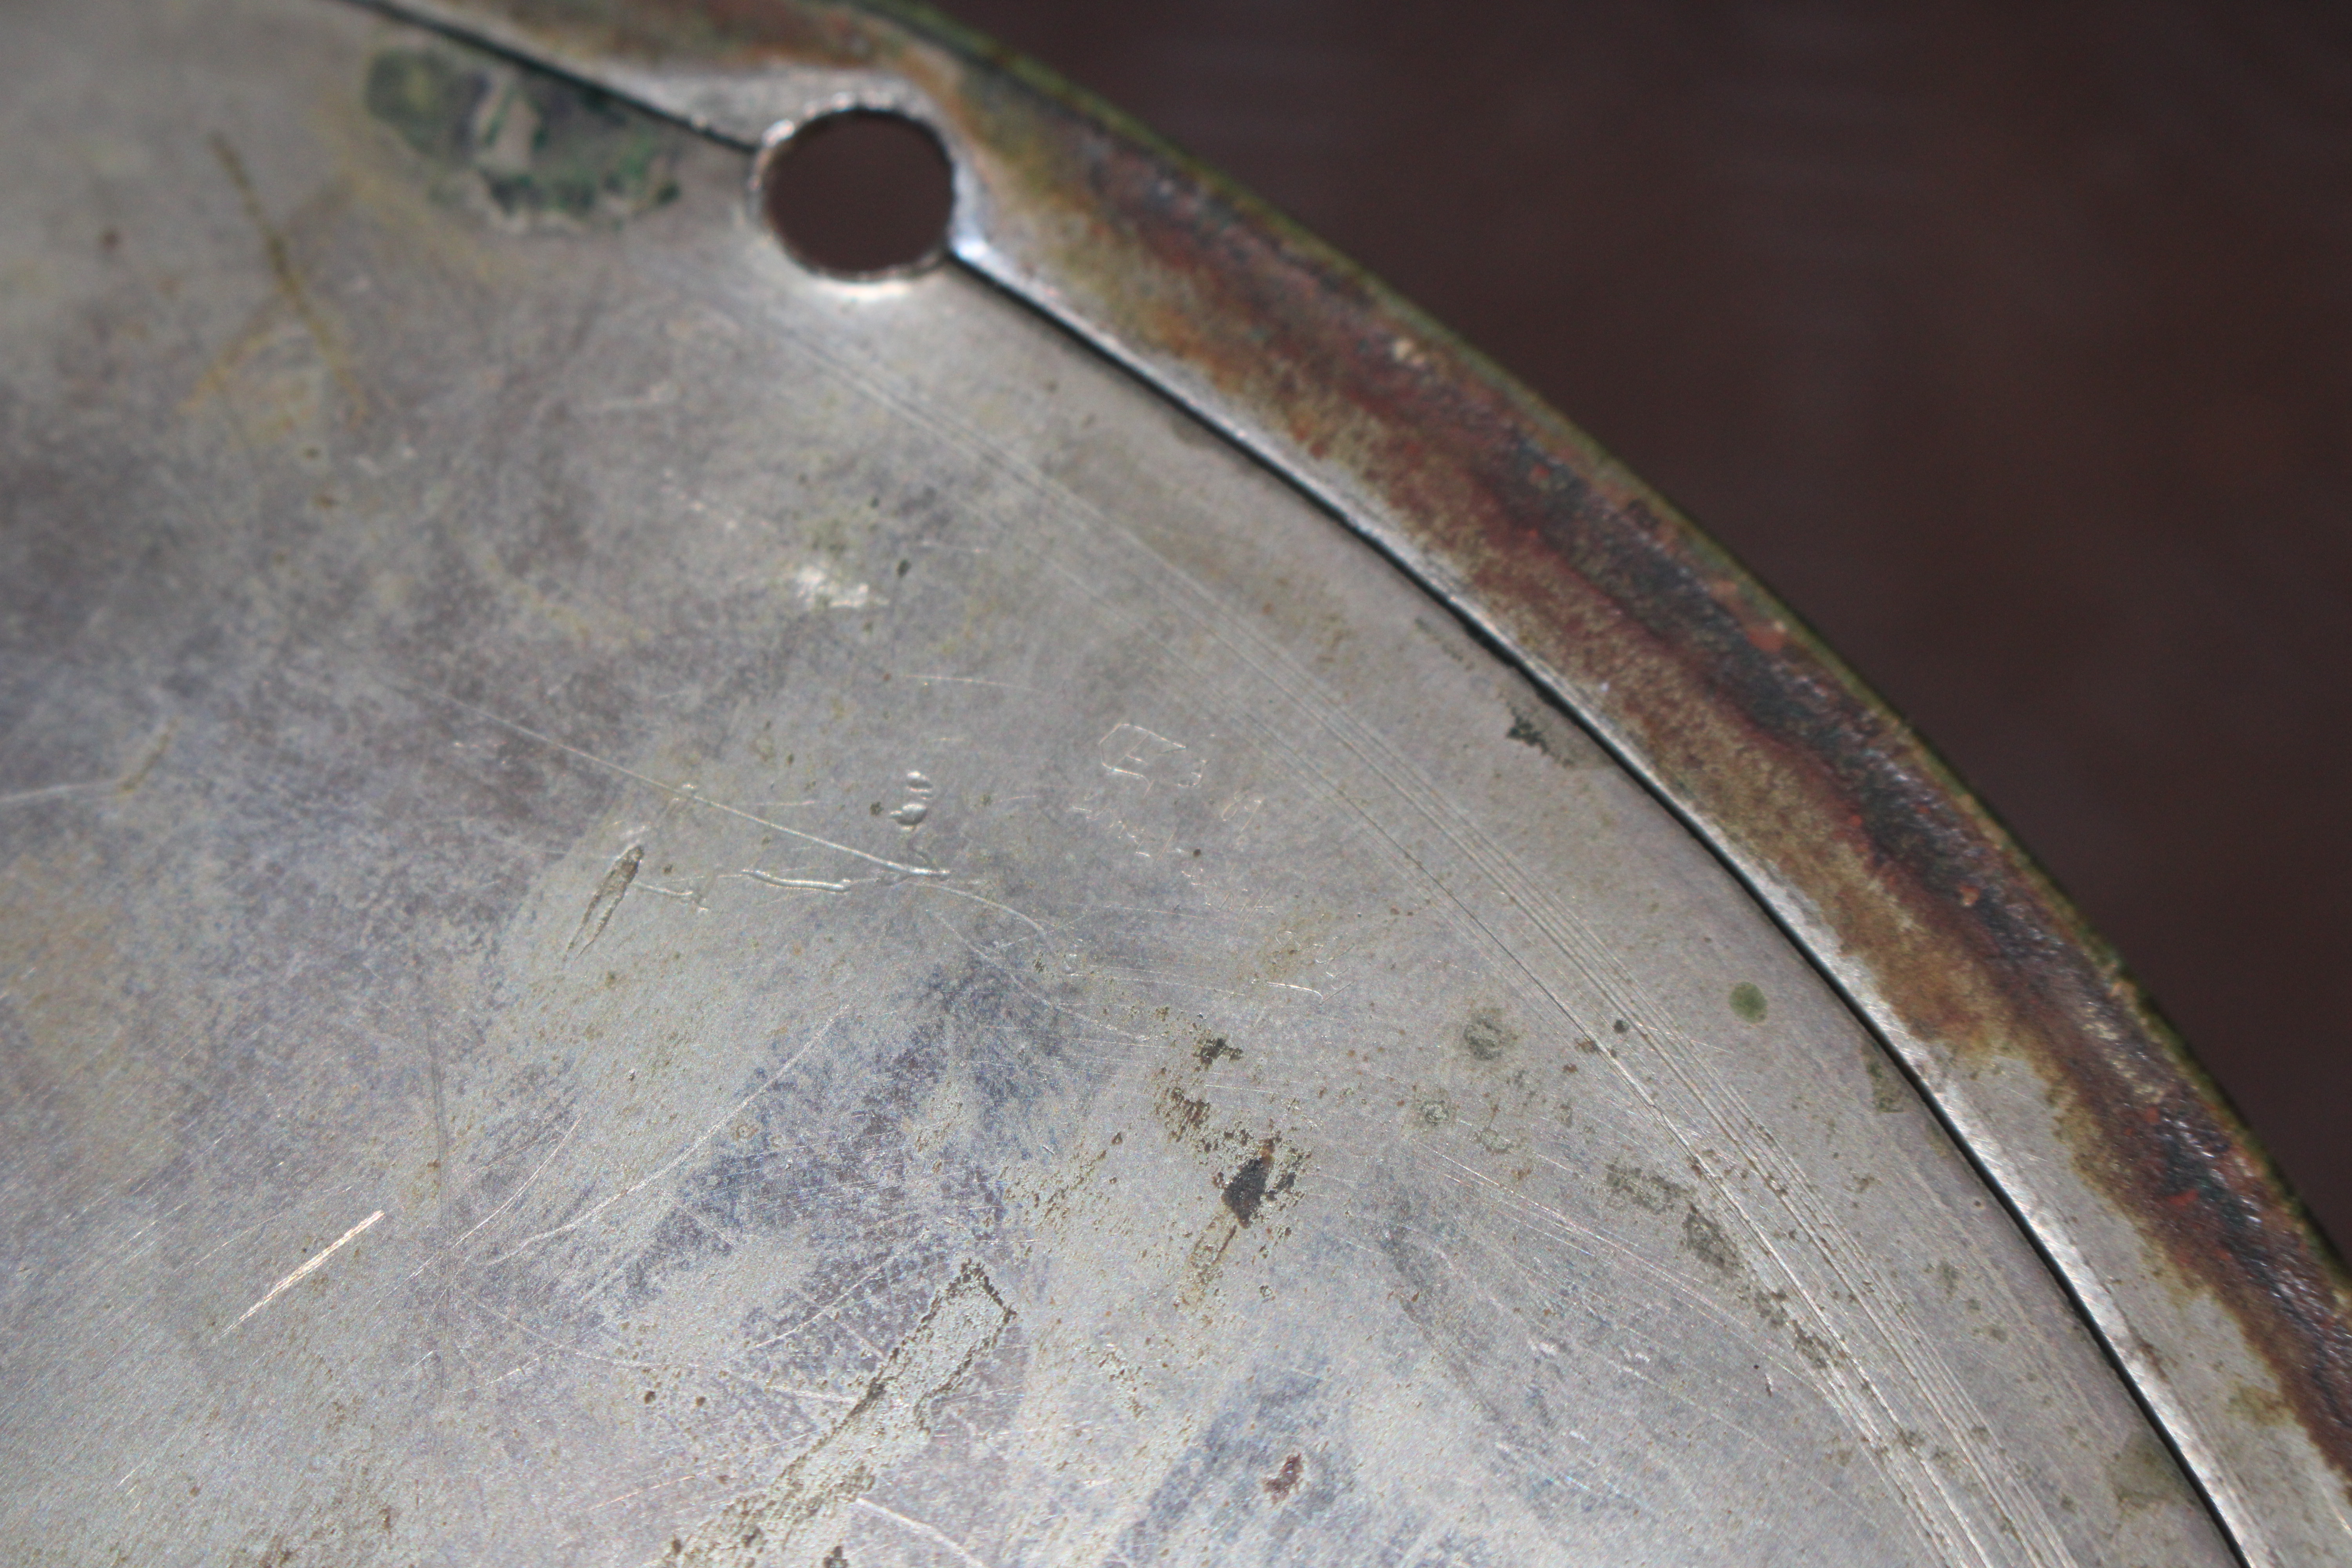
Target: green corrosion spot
1747,1001
530,146
428,97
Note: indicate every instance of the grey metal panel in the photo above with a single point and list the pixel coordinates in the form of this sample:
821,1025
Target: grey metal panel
648,899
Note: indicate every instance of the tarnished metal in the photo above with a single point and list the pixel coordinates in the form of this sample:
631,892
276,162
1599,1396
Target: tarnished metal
2151,1198
659,905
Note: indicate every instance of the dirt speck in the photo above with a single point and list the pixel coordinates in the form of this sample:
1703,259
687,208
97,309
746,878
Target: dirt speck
1284,1482
1747,1001
1181,1114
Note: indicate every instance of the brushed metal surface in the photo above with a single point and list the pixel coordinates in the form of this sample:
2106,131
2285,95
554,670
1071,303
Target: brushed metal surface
652,908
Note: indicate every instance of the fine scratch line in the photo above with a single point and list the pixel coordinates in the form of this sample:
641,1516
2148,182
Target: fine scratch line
689,795
296,1277
47,792
975,680
678,1159
929,1532
993,904
799,1513
511,1198
753,875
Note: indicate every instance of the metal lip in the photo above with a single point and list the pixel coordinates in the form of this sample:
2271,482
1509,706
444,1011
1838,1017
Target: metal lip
2152,1200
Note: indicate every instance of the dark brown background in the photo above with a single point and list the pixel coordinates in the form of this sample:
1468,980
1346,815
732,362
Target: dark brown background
2011,344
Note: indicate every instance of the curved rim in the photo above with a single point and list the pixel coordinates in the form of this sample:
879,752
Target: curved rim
2219,1299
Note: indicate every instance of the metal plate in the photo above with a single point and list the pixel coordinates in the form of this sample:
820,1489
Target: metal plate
659,908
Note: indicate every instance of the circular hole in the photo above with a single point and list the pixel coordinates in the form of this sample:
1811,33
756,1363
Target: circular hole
861,193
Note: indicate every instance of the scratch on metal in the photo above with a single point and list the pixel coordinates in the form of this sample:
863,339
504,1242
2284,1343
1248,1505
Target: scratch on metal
771,880
796,1515
608,898
297,1276
686,793
47,792
932,1533
680,1157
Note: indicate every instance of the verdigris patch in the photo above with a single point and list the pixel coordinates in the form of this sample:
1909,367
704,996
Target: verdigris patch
528,149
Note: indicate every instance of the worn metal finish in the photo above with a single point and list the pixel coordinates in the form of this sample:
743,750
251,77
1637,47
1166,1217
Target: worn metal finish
2157,1207
659,908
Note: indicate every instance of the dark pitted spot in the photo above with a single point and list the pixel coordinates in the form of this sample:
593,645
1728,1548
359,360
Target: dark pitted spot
1284,1482
1704,1239
1254,1183
1486,1037
1644,1190
1246,1190
1213,1047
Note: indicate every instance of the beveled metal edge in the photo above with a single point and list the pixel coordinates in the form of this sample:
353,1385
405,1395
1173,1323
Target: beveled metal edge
2151,1199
